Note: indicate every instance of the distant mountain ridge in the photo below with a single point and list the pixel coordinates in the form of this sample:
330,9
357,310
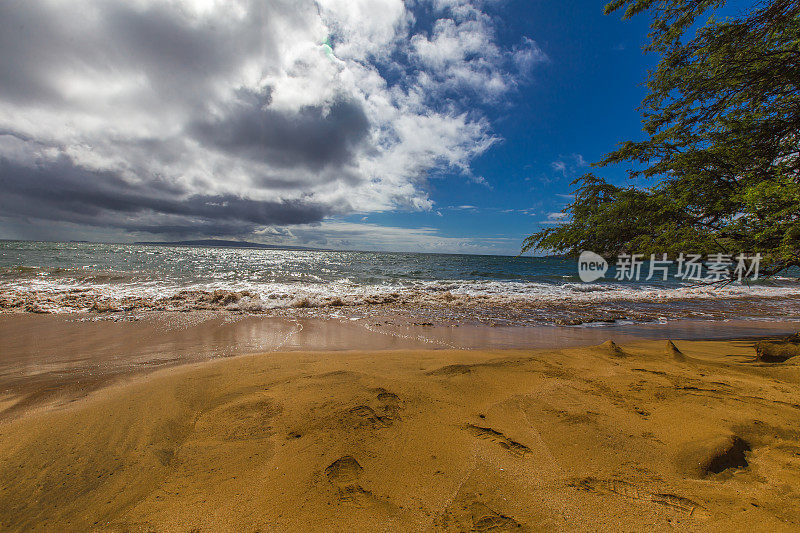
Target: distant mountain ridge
220,243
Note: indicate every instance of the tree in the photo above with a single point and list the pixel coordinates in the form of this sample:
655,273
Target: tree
722,124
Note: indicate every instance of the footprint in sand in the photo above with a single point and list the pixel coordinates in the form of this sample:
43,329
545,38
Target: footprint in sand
485,519
511,446
344,473
365,416
469,514
389,404
385,413
633,492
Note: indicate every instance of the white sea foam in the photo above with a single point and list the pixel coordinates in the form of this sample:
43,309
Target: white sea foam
108,278
63,294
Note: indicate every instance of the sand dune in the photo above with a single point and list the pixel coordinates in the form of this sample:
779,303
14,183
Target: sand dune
694,435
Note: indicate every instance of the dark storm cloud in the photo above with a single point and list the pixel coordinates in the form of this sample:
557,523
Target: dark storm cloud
162,41
64,192
170,95
178,56
177,59
313,136
22,76
192,227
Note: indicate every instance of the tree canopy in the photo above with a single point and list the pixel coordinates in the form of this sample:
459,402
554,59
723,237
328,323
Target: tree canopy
722,124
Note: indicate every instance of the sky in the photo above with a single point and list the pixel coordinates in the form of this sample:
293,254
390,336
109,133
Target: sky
450,126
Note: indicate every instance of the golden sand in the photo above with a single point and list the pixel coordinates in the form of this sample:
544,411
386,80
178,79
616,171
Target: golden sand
648,436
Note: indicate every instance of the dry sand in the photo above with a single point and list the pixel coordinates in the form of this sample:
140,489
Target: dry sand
645,436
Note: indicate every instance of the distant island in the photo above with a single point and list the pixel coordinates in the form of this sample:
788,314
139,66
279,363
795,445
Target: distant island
220,243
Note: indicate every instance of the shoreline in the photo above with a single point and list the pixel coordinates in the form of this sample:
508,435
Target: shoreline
568,304
636,435
55,359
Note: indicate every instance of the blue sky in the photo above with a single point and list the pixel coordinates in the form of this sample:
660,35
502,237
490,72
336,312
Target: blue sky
427,125
574,109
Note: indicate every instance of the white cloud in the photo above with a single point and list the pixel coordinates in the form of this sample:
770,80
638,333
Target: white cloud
461,53
569,165
559,166
579,160
556,218
528,55
365,28
223,117
366,236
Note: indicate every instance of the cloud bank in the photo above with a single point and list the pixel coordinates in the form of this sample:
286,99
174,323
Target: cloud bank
235,117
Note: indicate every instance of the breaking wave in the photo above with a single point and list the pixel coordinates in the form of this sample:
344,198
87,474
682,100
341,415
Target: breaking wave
128,279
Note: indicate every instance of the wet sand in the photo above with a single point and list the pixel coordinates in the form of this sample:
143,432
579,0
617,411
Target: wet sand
401,432
54,359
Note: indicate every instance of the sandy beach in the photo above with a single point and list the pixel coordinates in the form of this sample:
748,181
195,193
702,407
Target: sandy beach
644,434
399,266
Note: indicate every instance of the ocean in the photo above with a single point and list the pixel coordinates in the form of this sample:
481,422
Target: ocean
126,279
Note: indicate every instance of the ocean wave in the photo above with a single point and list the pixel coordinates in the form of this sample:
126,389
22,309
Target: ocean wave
27,291
107,279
